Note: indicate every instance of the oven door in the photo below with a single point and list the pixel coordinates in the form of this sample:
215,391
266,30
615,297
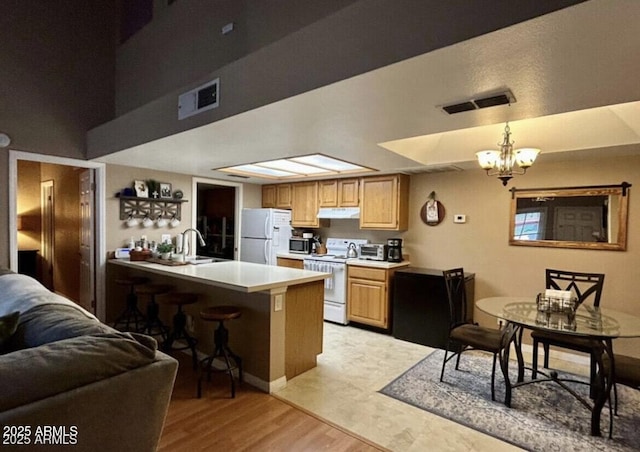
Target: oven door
335,289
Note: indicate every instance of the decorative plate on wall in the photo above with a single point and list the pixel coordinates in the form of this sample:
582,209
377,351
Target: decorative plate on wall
432,212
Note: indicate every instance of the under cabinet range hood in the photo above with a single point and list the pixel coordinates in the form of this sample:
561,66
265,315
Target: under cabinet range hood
337,213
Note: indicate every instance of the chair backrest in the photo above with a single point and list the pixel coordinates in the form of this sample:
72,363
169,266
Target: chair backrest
457,294
584,285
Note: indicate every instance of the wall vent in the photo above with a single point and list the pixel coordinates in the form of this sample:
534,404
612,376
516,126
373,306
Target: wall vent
203,98
504,98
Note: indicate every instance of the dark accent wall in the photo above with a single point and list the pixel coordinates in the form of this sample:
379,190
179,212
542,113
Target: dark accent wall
57,69
360,37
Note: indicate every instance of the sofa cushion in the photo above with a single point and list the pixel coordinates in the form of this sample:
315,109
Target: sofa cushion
8,325
53,322
22,292
35,373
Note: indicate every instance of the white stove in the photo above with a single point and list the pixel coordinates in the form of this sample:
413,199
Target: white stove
335,288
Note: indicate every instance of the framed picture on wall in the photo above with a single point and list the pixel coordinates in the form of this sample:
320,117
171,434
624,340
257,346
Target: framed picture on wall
142,191
165,190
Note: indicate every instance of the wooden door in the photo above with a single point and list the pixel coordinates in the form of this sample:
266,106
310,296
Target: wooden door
283,196
328,193
348,193
367,302
379,205
269,196
304,204
577,224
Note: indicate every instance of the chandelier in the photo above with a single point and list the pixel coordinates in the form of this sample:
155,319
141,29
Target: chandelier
502,163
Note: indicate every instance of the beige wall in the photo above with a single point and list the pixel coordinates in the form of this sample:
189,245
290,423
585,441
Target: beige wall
481,244
119,177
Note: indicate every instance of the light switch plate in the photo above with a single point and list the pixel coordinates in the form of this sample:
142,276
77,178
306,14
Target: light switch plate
165,238
278,303
459,218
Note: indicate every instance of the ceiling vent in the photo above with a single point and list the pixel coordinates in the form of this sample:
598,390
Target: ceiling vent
203,98
504,98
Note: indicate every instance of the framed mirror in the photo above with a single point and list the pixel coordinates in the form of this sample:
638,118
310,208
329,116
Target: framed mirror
573,217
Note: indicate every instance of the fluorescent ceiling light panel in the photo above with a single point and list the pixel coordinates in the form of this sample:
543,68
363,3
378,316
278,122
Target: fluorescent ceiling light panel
307,165
329,163
294,167
260,170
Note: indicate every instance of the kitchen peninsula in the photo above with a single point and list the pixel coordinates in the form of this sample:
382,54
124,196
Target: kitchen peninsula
279,334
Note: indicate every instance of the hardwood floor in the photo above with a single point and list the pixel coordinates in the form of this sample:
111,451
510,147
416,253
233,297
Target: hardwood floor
252,421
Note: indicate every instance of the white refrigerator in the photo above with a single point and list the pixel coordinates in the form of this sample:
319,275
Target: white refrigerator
264,233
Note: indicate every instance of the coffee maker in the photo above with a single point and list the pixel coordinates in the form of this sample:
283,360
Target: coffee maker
394,250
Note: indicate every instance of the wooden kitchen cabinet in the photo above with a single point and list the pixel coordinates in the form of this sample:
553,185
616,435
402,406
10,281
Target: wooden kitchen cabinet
348,193
304,205
368,296
384,202
338,193
291,263
328,193
276,196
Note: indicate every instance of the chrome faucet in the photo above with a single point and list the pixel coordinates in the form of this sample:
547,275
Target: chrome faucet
185,244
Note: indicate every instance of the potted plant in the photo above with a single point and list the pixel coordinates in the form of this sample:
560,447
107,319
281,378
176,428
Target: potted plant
165,250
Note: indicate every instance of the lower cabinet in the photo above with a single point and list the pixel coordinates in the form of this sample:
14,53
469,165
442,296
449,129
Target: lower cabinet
368,296
292,263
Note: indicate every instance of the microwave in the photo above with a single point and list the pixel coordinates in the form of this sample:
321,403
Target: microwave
300,246
373,252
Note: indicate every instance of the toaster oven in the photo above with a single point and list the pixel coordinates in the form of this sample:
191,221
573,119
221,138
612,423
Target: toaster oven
373,252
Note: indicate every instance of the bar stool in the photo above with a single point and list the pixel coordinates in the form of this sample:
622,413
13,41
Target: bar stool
221,345
154,326
131,313
179,330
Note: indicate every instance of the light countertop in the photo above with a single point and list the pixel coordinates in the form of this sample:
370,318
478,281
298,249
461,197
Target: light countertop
234,275
357,262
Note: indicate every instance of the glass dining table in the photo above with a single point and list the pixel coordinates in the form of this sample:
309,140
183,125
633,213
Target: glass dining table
600,324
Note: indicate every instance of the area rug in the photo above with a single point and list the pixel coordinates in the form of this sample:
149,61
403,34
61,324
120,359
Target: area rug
543,416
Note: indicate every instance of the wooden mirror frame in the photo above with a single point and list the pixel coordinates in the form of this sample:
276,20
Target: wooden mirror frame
622,191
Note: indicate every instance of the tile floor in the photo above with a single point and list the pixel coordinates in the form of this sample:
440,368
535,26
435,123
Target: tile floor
343,389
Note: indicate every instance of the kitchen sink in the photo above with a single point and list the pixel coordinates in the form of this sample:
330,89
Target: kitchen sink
195,260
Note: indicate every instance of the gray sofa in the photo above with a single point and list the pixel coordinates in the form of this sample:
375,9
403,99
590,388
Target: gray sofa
66,378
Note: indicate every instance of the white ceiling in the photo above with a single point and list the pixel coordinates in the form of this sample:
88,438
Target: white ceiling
574,73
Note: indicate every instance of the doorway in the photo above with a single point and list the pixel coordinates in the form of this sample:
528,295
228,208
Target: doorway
217,206
57,237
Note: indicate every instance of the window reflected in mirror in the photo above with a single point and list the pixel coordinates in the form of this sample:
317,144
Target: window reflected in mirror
582,217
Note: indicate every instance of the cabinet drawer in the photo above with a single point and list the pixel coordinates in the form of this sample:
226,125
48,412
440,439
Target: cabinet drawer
375,274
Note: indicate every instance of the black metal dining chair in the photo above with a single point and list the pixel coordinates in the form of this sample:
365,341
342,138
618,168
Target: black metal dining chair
464,335
586,286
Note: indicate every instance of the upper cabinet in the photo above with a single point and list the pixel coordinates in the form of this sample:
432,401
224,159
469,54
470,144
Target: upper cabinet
304,205
276,196
384,202
348,193
338,193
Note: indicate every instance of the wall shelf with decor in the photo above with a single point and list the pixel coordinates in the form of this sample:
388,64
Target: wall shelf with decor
136,207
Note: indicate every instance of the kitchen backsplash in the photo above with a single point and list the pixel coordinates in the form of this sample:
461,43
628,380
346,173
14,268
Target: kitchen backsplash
350,229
